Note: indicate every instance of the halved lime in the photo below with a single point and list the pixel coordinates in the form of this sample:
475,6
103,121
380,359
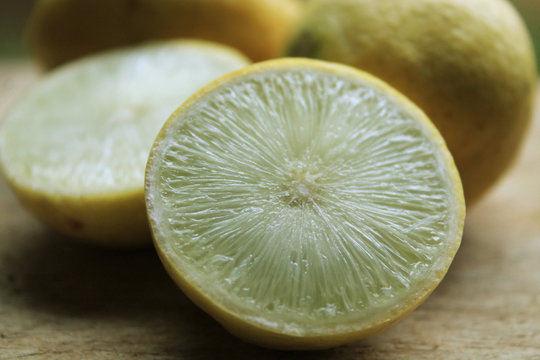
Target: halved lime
303,204
75,147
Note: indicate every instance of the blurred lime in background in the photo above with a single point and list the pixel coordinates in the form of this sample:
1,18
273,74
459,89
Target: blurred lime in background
13,15
530,10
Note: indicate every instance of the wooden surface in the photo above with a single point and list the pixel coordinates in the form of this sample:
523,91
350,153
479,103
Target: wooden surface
63,300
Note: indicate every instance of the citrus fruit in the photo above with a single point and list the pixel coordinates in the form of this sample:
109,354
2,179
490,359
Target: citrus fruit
75,146
62,30
469,65
303,204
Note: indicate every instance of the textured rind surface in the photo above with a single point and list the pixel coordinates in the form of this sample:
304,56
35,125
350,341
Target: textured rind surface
469,65
115,221
63,30
267,334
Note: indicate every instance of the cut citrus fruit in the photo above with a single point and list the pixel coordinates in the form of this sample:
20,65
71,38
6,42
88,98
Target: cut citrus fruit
303,204
75,147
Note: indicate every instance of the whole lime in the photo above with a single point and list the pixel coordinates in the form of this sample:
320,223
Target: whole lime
62,30
468,64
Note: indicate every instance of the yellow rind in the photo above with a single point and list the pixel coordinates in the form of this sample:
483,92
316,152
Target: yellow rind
257,333
469,65
116,220
63,30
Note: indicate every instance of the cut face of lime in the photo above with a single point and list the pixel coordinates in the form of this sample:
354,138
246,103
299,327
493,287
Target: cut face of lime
303,204
83,133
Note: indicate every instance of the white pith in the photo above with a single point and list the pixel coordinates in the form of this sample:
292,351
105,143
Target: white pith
302,200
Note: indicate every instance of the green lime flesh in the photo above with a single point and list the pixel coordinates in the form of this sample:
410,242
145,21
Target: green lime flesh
303,200
86,128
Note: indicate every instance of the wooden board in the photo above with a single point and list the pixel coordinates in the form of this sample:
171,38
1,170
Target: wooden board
63,300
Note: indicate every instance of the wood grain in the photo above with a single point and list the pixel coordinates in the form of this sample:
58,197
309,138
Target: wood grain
63,300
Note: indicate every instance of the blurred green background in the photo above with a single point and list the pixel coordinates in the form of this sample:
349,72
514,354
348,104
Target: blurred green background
13,15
